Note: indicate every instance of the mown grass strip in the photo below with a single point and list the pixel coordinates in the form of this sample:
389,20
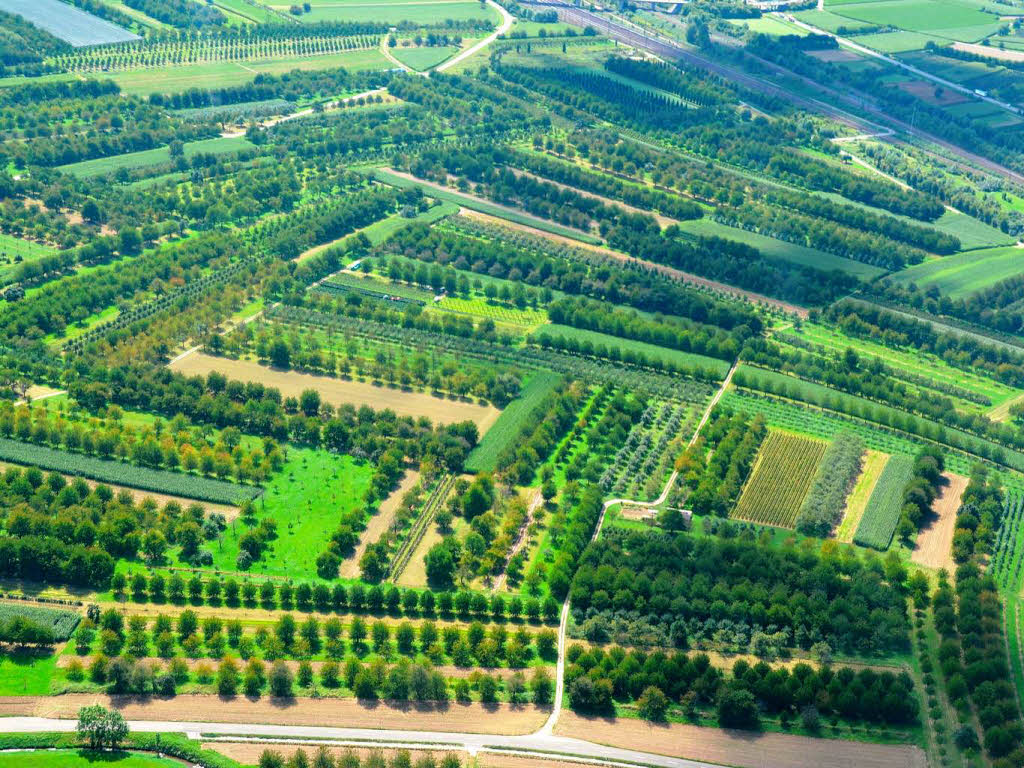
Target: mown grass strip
119,473
485,456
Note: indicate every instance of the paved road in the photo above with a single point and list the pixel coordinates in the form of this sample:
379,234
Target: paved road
439,740
507,19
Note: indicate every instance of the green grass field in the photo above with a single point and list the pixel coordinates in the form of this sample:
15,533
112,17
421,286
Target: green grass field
672,356
896,42
26,673
944,17
966,273
829,21
506,429
305,499
767,25
252,13
132,160
423,58
84,759
226,73
780,249
15,251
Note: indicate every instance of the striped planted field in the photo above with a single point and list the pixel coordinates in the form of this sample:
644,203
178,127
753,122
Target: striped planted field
883,511
780,479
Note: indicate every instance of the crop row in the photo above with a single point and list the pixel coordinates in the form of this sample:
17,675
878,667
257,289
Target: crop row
1007,560
419,528
61,623
780,479
120,473
839,468
883,510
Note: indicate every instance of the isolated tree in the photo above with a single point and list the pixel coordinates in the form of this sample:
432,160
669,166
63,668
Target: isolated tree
101,727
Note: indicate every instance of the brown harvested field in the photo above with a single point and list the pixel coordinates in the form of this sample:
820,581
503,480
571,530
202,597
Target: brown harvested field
379,523
501,719
925,91
248,753
337,391
836,55
990,52
742,749
934,545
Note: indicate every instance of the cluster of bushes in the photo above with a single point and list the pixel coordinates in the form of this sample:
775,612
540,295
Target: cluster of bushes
854,605
837,472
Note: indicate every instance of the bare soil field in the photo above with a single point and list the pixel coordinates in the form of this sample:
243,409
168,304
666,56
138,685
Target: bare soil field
836,55
990,52
502,719
379,523
926,92
248,753
934,544
738,748
677,274
337,391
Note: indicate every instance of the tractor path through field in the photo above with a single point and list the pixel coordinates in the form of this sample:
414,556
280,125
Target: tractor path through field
563,622
379,524
675,274
934,545
521,538
507,19
328,107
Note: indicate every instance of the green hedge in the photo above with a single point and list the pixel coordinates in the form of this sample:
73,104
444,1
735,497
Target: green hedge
171,744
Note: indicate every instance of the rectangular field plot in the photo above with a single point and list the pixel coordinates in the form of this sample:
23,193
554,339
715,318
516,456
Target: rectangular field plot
779,249
104,165
782,474
67,22
917,15
966,273
883,510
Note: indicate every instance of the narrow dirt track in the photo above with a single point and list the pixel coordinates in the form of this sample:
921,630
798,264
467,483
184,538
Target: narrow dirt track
378,524
933,548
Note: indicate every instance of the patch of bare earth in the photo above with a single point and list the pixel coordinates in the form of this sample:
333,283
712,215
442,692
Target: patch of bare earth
742,749
927,93
989,52
934,545
501,719
338,391
379,523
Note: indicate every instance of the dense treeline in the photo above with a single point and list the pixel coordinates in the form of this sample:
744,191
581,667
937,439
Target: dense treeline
973,655
596,679
578,94
690,84
735,263
22,42
660,330
899,331
547,424
715,482
580,274
854,216
921,491
852,605
180,13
